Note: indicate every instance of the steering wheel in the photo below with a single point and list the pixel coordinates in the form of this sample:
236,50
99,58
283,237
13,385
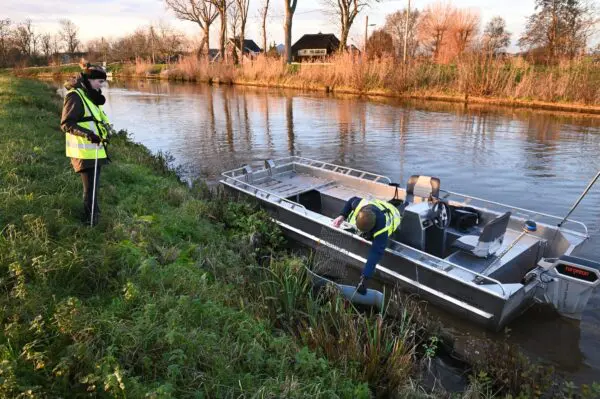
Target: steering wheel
441,215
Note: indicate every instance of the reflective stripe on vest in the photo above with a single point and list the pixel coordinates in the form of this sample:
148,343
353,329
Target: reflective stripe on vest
392,215
81,147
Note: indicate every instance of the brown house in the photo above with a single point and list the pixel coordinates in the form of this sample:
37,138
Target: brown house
315,46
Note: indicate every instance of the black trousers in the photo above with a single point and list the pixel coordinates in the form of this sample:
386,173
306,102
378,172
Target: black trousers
87,178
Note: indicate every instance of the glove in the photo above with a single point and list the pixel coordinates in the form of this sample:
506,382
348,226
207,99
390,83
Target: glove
94,138
361,288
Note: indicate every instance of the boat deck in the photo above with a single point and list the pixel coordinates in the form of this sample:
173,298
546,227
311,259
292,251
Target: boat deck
478,265
292,184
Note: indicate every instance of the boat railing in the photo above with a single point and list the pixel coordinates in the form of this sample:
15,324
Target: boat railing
431,262
581,225
343,170
253,190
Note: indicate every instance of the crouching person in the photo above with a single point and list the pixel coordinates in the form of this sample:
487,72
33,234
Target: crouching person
376,221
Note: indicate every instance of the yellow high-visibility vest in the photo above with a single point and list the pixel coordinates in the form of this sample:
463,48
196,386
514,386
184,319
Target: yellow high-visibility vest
392,215
94,119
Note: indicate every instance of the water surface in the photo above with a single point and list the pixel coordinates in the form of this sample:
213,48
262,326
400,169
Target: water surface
531,159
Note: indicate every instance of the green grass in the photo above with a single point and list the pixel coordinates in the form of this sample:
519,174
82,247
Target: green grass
130,308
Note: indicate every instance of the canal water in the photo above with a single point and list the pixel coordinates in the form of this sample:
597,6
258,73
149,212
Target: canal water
531,159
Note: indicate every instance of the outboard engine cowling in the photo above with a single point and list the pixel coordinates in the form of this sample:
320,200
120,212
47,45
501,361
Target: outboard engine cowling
569,284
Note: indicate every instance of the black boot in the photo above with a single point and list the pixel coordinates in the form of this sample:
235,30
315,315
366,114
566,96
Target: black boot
86,216
87,178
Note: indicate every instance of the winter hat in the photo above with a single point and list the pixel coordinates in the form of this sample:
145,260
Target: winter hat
92,71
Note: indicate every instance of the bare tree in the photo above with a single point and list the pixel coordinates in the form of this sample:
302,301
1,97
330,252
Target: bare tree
221,6
434,25
561,28
24,38
495,36
380,44
395,25
202,12
264,11
346,12
5,42
169,41
56,44
46,43
290,9
465,26
68,33
243,6
234,24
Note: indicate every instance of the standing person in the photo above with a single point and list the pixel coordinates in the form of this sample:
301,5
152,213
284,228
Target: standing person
86,129
376,221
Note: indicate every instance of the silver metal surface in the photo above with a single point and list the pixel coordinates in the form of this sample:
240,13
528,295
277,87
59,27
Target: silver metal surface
495,299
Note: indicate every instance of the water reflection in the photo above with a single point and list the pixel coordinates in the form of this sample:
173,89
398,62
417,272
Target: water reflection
289,119
537,160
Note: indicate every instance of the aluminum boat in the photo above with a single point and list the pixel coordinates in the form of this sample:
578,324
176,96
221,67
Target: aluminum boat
481,259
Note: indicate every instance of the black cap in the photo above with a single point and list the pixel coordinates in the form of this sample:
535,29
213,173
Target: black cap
94,72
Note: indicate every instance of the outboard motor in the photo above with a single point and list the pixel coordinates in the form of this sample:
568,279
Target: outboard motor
569,283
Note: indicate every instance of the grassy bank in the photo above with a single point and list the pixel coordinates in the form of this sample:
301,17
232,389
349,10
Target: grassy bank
183,292
132,307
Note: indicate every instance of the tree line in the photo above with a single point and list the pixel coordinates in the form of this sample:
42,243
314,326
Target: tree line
558,29
21,44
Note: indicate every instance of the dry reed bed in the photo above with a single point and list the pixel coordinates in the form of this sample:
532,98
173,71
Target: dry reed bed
512,79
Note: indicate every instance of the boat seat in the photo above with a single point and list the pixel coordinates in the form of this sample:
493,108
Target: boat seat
422,186
488,242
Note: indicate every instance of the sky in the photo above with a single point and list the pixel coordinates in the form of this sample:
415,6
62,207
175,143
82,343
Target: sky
114,18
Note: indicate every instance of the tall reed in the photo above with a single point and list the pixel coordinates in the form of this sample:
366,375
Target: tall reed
576,81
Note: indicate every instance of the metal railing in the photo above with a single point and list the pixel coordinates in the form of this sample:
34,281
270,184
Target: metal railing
267,194
342,170
510,207
347,171
433,259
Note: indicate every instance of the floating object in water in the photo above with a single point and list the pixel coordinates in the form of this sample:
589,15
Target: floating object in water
372,297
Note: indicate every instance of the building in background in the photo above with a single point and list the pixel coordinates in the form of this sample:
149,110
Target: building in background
315,46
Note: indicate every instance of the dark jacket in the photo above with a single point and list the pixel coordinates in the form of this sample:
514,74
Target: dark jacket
378,244
73,111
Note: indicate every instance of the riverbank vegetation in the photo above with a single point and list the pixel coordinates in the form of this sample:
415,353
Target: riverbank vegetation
185,292
569,86
575,82
439,52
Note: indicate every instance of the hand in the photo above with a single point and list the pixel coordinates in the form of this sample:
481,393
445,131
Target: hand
94,138
337,222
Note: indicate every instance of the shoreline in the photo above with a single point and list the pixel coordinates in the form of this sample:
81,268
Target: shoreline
512,103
